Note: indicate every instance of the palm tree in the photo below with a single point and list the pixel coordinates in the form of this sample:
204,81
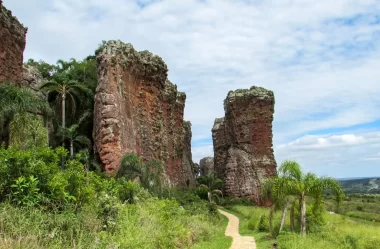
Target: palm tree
279,197
65,88
295,182
72,135
15,100
213,185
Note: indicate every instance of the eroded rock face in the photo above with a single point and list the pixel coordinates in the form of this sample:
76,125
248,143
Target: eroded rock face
33,79
12,45
243,154
189,169
138,110
206,165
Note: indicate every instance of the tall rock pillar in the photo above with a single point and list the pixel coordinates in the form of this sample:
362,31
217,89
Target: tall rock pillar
243,154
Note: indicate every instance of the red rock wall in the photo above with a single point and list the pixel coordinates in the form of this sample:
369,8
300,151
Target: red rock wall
137,110
243,154
12,45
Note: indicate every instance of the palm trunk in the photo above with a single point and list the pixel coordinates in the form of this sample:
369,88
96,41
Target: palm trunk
271,212
63,110
71,148
209,195
283,216
303,215
292,217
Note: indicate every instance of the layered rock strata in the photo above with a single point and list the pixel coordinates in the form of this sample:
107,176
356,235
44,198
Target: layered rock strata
12,45
243,154
138,110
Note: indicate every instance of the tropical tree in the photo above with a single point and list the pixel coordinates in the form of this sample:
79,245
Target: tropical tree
14,99
65,88
295,182
27,131
71,133
279,197
213,184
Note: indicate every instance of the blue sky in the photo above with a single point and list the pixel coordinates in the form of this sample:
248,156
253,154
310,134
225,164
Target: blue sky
321,59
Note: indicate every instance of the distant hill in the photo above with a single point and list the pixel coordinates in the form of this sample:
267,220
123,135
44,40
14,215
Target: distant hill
370,185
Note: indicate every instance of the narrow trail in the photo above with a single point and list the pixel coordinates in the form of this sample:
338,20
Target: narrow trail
232,230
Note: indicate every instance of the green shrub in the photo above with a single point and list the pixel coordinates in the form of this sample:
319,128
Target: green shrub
25,191
263,224
212,207
202,192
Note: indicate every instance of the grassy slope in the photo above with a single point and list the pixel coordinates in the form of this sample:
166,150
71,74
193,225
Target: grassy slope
339,232
158,224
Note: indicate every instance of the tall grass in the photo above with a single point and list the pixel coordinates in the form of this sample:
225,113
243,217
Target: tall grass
152,223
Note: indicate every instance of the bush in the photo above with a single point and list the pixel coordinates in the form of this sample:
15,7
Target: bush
263,224
25,192
212,207
230,201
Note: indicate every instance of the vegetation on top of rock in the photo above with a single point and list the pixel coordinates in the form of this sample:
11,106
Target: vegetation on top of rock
254,91
8,19
144,64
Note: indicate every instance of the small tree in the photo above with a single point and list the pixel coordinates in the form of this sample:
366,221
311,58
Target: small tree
74,138
213,185
300,185
27,132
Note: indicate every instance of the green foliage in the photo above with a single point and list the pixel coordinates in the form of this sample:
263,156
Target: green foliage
148,174
46,70
263,224
14,100
252,223
25,191
108,210
130,167
27,132
230,201
213,184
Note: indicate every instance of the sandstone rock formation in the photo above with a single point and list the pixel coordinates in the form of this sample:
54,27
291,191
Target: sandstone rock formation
243,154
12,45
32,78
188,166
138,110
206,165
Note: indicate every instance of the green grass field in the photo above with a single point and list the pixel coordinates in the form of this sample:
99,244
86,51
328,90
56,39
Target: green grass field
339,232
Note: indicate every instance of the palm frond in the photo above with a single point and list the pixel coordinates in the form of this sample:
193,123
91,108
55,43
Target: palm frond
83,140
291,169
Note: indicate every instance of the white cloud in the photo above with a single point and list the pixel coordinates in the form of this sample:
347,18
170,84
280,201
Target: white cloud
319,57
343,155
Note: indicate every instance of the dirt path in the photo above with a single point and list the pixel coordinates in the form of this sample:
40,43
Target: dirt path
232,230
